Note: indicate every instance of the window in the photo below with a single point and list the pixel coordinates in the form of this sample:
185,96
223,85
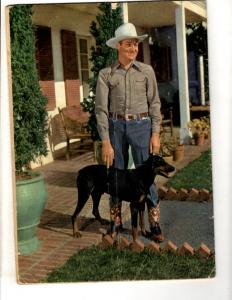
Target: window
84,65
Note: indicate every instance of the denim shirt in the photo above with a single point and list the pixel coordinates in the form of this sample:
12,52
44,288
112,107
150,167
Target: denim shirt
131,91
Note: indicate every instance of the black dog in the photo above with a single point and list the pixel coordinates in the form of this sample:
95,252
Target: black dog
129,185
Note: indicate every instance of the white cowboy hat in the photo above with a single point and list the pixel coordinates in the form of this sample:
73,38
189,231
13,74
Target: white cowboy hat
125,31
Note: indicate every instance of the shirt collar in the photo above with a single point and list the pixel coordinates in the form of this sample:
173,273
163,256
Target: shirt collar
135,64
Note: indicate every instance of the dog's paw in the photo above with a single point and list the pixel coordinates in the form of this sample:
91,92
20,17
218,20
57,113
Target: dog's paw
77,234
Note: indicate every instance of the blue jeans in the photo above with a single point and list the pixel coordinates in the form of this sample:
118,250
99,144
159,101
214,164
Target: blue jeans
137,134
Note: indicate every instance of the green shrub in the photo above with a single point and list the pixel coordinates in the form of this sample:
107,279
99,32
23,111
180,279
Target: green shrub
30,115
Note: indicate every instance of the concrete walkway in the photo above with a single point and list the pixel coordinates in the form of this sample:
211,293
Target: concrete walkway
181,222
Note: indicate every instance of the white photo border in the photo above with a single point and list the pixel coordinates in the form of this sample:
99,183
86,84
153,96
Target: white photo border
220,82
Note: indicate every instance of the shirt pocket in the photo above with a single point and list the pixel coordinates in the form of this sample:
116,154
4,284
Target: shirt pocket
140,84
116,88
113,83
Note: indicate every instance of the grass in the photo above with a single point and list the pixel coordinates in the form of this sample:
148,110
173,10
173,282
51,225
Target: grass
94,264
197,174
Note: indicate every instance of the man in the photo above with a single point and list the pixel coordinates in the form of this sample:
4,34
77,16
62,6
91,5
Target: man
128,113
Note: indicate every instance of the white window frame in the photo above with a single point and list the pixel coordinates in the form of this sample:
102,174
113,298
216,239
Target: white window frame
87,38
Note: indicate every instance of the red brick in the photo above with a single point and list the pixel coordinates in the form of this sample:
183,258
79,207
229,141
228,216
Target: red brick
154,247
183,194
170,247
171,194
27,278
193,195
137,246
186,248
123,243
204,195
162,192
107,242
203,250
39,274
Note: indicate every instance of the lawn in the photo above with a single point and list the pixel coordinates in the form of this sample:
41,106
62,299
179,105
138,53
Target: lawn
197,174
93,264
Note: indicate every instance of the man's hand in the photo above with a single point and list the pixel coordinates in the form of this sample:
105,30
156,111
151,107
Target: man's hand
155,143
107,153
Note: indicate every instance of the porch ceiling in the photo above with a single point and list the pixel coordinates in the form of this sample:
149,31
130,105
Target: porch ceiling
158,14
147,14
91,8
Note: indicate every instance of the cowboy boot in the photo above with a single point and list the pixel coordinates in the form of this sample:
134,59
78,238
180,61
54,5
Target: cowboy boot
154,219
115,219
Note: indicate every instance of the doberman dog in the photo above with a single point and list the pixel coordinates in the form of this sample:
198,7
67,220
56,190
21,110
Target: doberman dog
131,185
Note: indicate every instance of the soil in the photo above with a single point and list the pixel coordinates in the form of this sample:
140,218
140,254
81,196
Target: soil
23,176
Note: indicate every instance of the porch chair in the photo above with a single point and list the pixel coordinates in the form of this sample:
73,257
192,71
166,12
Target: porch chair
74,121
167,120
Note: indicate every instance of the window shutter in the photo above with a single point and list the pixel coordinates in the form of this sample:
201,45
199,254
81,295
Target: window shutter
70,67
44,61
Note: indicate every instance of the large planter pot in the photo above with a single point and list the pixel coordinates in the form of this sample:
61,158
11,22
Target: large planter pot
31,197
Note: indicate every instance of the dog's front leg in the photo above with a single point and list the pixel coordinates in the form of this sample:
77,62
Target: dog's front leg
134,222
141,218
141,223
75,225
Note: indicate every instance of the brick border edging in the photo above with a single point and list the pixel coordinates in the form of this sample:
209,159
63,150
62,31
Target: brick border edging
138,246
183,194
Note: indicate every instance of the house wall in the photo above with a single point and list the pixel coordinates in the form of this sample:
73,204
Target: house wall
58,17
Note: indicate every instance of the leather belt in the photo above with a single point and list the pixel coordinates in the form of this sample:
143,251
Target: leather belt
129,117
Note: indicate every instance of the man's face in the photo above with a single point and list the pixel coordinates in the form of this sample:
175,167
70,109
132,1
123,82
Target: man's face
128,49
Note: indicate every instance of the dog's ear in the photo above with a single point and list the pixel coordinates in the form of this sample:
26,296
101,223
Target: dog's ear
157,156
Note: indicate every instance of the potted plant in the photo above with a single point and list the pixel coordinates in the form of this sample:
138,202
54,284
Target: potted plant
101,56
200,129
30,128
171,148
166,147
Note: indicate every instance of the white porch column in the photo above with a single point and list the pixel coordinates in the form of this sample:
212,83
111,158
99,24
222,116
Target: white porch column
58,68
124,12
202,80
182,73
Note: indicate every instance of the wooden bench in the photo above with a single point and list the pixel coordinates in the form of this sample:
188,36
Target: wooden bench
74,121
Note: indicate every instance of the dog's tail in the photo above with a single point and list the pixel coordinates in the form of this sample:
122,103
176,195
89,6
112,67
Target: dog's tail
84,180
